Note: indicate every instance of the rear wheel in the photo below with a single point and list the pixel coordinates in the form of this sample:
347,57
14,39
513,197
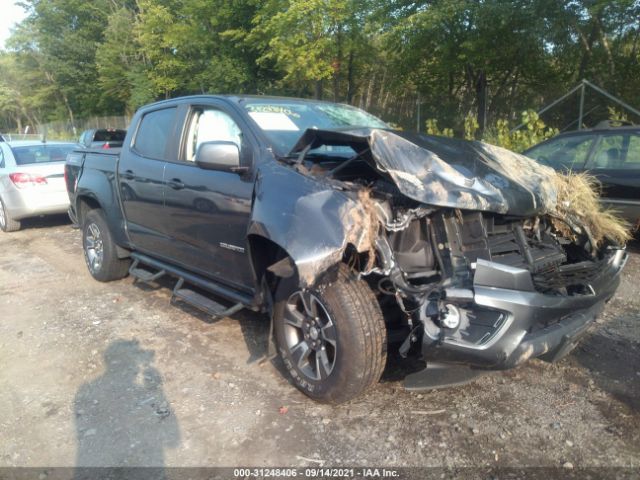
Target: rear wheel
332,338
7,224
100,252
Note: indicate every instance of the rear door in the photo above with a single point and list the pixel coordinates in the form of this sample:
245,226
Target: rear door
616,163
207,211
141,180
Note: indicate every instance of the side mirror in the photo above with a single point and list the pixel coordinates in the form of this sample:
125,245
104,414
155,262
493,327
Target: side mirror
218,155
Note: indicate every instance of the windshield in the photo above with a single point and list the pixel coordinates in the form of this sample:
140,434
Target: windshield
284,121
42,153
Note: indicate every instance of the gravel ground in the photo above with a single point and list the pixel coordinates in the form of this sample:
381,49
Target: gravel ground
110,374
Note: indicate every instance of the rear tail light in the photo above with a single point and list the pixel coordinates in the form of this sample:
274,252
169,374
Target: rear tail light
106,145
24,180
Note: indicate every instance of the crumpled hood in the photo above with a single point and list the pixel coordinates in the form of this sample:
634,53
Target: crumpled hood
447,172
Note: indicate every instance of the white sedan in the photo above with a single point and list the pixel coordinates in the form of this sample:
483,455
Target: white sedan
31,180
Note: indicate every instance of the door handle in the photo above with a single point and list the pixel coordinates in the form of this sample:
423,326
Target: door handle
176,184
128,175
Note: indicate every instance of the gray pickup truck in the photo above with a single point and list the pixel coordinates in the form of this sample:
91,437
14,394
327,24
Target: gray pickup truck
352,237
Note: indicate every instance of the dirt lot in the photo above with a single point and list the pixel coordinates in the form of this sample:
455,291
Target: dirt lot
111,374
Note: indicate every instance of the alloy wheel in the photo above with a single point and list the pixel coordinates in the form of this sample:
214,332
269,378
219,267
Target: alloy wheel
310,335
93,247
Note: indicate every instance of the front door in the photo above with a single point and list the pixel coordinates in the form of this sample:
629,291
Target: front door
207,211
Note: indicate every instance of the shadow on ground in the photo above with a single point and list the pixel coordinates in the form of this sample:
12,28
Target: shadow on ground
46,221
255,331
123,418
614,361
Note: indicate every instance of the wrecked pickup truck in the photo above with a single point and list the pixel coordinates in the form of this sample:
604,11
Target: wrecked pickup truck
352,237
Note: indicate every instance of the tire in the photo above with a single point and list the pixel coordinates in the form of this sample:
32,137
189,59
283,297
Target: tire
7,224
99,249
339,351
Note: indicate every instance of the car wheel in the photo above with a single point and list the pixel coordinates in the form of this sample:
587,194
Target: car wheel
100,250
332,338
7,224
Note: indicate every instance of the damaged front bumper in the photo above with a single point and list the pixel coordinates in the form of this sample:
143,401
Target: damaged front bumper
505,322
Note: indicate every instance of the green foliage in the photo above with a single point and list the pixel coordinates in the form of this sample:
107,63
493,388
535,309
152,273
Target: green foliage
471,127
75,58
616,116
532,132
431,127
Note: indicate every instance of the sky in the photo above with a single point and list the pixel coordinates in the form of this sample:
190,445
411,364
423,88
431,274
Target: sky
10,14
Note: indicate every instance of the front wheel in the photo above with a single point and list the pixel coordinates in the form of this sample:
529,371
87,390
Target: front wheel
100,252
332,338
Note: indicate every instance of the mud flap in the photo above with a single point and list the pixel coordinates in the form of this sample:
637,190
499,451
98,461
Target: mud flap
439,375
271,344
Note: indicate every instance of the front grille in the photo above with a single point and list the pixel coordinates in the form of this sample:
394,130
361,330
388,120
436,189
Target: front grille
569,275
493,238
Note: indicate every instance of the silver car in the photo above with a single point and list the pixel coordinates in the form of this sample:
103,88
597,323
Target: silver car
31,180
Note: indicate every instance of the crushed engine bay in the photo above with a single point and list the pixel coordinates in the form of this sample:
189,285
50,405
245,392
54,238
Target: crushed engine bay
434,220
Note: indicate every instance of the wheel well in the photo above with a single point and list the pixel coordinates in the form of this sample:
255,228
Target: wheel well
264,253
84,205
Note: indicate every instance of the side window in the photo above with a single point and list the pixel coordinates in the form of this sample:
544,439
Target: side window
209,125
563,153
1,158
154,132
633,153
611,152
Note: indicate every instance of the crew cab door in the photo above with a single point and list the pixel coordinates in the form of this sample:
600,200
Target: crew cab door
207,211
141,180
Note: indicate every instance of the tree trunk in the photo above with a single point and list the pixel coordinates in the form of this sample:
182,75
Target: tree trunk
481,100
71,116
337,65
367,103
318,92
350,78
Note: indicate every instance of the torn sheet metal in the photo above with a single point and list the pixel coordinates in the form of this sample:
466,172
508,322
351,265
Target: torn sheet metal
315,224
447,172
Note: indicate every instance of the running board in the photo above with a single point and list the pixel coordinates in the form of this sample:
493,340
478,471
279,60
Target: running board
145,276
203,303
209,286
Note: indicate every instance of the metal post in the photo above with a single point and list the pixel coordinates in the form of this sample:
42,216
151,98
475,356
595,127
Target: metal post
581,106
611,97
552,104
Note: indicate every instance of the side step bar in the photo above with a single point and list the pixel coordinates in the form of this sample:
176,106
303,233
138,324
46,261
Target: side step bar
203,303
145,276
191,297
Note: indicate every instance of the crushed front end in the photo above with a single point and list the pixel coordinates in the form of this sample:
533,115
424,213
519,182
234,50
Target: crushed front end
468,251
489,292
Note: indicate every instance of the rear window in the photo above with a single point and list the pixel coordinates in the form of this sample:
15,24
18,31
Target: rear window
41,153
109,136
153,133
